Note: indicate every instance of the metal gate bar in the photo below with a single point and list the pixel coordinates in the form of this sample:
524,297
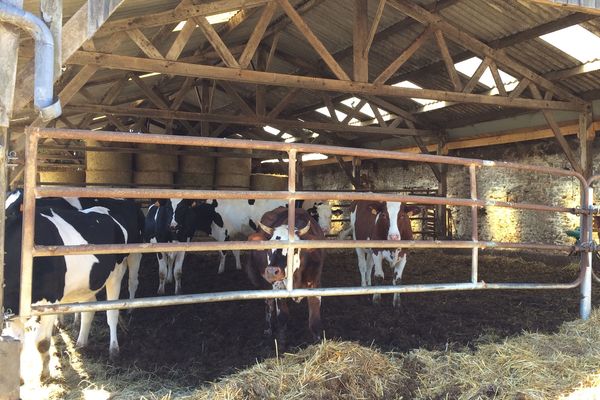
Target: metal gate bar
31,190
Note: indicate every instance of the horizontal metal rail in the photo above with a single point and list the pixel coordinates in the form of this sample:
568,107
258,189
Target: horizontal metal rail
295,293
47,251
134,193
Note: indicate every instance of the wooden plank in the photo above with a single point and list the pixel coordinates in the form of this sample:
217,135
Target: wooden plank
312,83
241,120
523,84
498,80
441,42
459,36
261,90
149,92
144,44
569,72
78,29
272,51
586,137
359,39
403,57
181,40
476,75
374,26
571,6
217,43
283,103
257,34
177,15
237,99
313,40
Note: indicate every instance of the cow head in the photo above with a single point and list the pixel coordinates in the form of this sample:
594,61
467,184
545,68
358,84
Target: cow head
393,220
321,212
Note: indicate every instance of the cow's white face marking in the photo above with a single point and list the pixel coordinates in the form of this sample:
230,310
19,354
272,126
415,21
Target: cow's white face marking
282,233
324,211
393,209
11,199
79,266
174,203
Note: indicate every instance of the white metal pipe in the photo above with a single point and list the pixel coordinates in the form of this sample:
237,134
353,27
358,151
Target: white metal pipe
585,305
43,92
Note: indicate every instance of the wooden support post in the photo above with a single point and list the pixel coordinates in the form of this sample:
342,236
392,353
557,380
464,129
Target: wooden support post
9,52
360,37
586,136
356,167
441,227
299,174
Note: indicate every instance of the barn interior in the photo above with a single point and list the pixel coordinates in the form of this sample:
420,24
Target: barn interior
501,80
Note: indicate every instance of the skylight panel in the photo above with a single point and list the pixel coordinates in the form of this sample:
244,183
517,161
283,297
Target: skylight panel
468,67
271,130
305,157
576,41
212,19
410,85
352,102
325,111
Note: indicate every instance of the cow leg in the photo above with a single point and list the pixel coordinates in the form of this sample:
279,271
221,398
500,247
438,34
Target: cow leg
43,339
398,270
370,264
269,308
113,288
162,271
133,264
362,265
76,317
178,270
170,262
283,315
84,329
314,316
222,262
238,263
378,264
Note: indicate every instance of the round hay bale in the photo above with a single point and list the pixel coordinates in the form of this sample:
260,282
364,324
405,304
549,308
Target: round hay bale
268,182
156,161
156,178
232,181
204,165
233,172
194,180
114,177
62,176
108,161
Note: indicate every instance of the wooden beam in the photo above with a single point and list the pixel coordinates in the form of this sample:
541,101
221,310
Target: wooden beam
241,120
434,168
403,57
587,7
181,40
237,99
76,31
569,72
330,107
274,79
476,75
257,34
586,137
359,38
144,44
497,79
523,84
283,103
374,26
441,42
313,40
459,36
215,40
272,51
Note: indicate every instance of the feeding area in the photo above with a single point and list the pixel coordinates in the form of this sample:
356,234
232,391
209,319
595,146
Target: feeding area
299,199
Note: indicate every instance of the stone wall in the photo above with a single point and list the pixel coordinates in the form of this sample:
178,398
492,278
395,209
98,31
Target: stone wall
495,223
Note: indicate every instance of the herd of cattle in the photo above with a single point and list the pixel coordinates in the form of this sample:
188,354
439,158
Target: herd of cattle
78,278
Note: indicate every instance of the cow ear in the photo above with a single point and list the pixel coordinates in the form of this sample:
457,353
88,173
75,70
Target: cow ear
374,210
157,203
413,210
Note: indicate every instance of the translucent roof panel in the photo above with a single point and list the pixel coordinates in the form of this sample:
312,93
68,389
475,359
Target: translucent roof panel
410,85
576,41
340,115
352,102
468,68
212,19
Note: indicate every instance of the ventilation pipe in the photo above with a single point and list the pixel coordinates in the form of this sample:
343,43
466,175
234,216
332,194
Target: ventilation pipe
43,98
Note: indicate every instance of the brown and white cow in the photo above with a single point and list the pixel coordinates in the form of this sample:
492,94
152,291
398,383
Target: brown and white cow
372,220
266,269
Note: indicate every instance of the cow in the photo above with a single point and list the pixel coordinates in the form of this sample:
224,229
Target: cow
266,268
372,220
57,279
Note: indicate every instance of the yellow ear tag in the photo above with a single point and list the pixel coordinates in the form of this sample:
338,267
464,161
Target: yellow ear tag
373,211
156,203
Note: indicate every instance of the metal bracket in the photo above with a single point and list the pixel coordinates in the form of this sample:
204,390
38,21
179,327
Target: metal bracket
587,246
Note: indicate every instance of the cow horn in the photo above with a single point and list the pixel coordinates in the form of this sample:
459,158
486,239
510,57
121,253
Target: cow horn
268,230
304,230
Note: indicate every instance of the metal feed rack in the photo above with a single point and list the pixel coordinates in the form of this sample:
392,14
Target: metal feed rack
31,190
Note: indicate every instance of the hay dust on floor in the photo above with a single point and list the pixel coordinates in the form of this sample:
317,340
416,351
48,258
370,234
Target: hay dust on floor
423,350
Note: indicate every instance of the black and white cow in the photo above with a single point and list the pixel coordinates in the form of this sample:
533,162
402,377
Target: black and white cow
266,269
71,278
371,220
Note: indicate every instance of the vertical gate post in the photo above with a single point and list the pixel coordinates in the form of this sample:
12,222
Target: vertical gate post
474,228
289,273
587,232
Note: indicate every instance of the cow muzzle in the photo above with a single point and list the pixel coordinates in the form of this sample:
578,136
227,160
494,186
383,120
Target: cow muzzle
274,274
394,237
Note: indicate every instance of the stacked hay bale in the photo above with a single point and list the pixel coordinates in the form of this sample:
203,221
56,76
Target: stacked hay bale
107,167
233,173
155,168
195,172
268,182
62,176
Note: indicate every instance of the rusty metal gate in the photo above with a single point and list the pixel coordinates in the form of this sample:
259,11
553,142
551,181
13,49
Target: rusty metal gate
31,190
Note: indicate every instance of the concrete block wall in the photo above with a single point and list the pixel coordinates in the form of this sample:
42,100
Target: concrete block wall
495,223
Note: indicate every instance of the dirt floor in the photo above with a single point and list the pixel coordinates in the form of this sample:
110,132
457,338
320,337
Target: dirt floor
193,344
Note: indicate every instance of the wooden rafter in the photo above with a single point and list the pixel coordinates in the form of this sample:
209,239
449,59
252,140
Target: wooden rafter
439,37
498,79
215,40
144,44
181,40
374,25
359,38
476,75
284,102
257,34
